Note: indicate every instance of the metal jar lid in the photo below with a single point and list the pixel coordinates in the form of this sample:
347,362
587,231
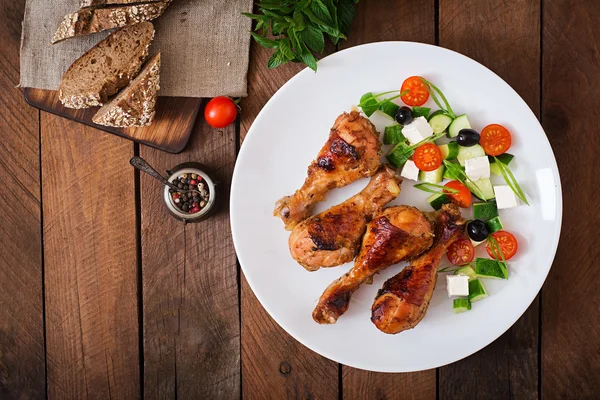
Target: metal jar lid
211,185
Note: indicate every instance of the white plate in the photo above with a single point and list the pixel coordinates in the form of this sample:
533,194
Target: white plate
287,135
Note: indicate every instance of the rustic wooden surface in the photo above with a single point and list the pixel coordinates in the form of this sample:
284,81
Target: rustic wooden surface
102,295
175,115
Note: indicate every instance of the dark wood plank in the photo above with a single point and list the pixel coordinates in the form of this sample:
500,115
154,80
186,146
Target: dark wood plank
170,130
274,365
190,291
505,37
570,298
378,21
89,262
22,358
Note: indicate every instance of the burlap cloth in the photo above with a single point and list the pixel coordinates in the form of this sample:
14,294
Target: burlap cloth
204,46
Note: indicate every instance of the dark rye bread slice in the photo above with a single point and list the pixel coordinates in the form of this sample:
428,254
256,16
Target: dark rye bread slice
134,105
106,67
92,20
95,3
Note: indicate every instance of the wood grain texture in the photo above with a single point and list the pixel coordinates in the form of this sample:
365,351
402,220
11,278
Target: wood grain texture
22,357
190,292
380,21
505,37
89,262
275,365
571,107
170,130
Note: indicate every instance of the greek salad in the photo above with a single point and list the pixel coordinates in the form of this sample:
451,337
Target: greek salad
454,162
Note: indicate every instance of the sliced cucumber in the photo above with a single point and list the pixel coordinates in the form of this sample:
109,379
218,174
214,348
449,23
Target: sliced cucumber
494,225
465,153
449,151
399,156
448,174
485,186
461,305
438,200
439,121
420,111
466,270
485,211
393,134
389,108
504,158
476,291
486,268
435,176
461,122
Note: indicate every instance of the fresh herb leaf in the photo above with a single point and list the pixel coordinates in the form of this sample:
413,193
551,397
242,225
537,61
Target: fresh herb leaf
321,10
276,59
313,38
345,15
434,91
299,20
286,49
431,188
308,59
511,181
264,42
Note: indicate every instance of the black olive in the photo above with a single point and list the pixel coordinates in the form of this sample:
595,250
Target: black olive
404,116
478,230
467,137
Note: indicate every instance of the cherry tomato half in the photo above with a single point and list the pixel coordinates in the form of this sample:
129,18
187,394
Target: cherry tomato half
461,252
507,242
495,139
418,94
427,157
463,198
220,112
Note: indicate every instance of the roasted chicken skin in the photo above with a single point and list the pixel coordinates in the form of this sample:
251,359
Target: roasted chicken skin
403,300
395,234
351,153
333,237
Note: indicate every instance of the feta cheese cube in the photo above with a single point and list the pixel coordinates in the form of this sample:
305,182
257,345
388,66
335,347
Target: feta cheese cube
505,198
410,171
477,168
457,285
417,130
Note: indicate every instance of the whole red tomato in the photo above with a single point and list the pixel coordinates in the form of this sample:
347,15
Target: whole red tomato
220,112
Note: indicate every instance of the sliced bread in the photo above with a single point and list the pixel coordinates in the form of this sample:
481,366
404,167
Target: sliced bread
134,105
95,3
91,20
106,67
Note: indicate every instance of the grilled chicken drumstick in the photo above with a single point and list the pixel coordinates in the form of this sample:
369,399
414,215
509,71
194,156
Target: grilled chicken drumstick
332,237
404,298
395,234
351,153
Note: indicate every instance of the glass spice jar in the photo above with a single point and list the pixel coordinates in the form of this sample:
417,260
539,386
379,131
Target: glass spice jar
191,206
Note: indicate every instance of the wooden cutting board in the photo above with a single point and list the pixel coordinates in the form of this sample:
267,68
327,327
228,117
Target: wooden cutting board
170,130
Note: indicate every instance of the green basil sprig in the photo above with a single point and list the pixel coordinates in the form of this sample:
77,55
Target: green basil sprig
298,27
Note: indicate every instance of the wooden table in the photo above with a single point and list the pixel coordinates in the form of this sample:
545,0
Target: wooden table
103,295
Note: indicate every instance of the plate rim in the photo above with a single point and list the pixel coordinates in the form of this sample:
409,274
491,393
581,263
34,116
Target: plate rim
325,353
